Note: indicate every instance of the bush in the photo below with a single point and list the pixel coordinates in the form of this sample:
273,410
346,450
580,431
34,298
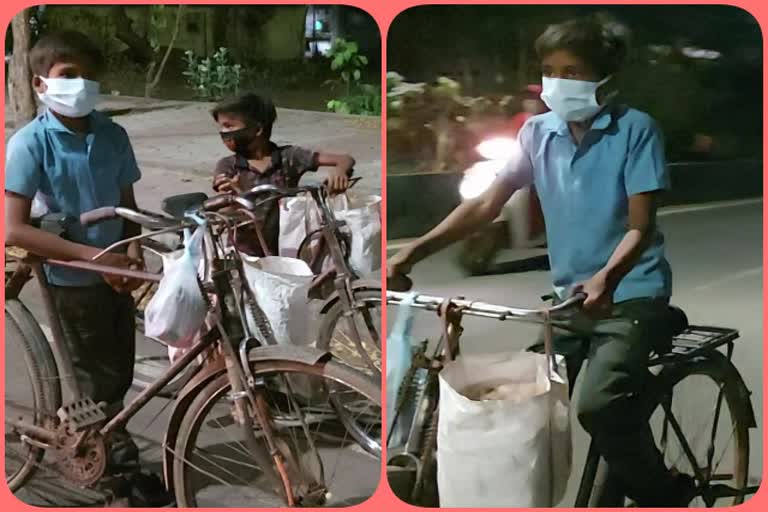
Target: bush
359,98
213,78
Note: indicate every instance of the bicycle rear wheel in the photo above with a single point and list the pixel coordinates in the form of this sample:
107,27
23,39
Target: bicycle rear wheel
700,420
32,391
212,459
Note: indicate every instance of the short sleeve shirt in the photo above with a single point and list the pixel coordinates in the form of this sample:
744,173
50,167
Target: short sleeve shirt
289,163
73,173
584,193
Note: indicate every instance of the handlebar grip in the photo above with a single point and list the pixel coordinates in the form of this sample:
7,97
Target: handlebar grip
98,215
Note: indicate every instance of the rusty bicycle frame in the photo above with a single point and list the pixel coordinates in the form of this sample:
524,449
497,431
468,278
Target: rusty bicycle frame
245,392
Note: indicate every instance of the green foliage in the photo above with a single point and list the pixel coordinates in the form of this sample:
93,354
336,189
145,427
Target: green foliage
360,98
212,78
367,101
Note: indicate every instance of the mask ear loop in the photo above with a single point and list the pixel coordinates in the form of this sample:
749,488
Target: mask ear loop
609,96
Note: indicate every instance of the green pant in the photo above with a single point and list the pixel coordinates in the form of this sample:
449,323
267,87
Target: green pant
609,404
100,331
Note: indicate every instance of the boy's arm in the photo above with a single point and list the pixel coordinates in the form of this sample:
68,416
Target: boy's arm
343,167
645,177
18,232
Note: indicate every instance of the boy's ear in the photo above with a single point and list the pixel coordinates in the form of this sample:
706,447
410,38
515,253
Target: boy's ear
38,84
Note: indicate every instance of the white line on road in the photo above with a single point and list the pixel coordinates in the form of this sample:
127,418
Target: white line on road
671,210
751,272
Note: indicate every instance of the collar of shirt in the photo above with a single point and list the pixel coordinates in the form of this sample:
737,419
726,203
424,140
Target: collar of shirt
602,121
52,123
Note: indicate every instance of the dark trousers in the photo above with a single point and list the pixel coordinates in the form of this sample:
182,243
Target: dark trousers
100,331
611,403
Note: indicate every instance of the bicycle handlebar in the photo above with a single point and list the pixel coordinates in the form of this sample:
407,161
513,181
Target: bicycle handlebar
482,309
155,221
146,219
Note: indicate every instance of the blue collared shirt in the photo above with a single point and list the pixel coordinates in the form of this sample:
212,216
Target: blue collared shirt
73,173
584,192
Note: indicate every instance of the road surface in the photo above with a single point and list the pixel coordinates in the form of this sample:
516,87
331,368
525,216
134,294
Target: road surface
716,253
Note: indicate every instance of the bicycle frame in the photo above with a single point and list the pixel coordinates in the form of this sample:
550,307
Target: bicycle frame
243,392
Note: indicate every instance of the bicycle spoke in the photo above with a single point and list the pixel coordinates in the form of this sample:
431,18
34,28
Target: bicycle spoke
198,469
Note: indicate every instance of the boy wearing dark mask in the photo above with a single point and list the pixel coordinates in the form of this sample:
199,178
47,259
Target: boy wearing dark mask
245,125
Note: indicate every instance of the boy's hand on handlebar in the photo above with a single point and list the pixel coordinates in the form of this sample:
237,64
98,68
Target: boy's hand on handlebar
337,182
599,295
398,269
120,284
227,184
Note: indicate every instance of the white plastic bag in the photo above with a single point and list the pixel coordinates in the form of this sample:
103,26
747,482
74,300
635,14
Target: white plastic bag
298,218
399,352
511,451
280,286
177,310
363,217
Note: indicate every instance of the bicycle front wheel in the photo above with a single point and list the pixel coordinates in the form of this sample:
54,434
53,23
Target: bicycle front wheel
32,391
700,420
213,462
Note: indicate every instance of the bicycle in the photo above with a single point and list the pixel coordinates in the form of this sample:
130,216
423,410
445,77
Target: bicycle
254,395
412,467
344,295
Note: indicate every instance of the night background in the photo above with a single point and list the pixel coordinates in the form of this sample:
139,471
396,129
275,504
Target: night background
696,69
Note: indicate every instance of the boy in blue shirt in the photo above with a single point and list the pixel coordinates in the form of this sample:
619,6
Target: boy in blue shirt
598,168
76,160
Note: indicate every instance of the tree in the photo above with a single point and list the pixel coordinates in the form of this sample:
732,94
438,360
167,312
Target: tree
139,46
155,72
20,89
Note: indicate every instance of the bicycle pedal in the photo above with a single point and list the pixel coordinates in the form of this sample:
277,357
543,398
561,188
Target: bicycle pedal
82,414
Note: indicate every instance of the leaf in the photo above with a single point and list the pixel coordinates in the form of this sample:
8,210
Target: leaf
352,47
357,74
336,63
345,76
363,59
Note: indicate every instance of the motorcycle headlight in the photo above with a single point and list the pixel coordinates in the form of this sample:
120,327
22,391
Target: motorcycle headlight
498,148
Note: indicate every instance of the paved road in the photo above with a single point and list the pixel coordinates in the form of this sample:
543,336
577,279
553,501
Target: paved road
716,253
177,147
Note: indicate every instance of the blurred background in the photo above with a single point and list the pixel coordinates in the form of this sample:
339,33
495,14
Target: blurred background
282,50
457,72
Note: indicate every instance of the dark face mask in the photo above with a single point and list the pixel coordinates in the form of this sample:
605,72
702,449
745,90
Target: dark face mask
238,141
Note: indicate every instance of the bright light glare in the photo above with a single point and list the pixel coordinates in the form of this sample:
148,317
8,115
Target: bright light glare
498,148
479,177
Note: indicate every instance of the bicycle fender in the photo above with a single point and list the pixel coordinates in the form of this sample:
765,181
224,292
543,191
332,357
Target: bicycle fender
360,284
298,354
213,368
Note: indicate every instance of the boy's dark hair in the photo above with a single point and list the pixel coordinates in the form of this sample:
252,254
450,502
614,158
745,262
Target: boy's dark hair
62,46
254,109
598,39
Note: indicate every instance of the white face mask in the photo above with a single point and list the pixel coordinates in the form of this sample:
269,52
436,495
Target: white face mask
572,100
70,97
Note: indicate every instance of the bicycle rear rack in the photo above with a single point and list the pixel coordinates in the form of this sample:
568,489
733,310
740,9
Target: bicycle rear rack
695,341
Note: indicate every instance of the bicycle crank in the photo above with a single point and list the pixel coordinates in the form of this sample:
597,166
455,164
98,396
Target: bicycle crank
81,457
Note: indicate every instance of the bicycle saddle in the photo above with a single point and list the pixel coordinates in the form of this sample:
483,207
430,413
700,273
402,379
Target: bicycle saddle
177,206
679,320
